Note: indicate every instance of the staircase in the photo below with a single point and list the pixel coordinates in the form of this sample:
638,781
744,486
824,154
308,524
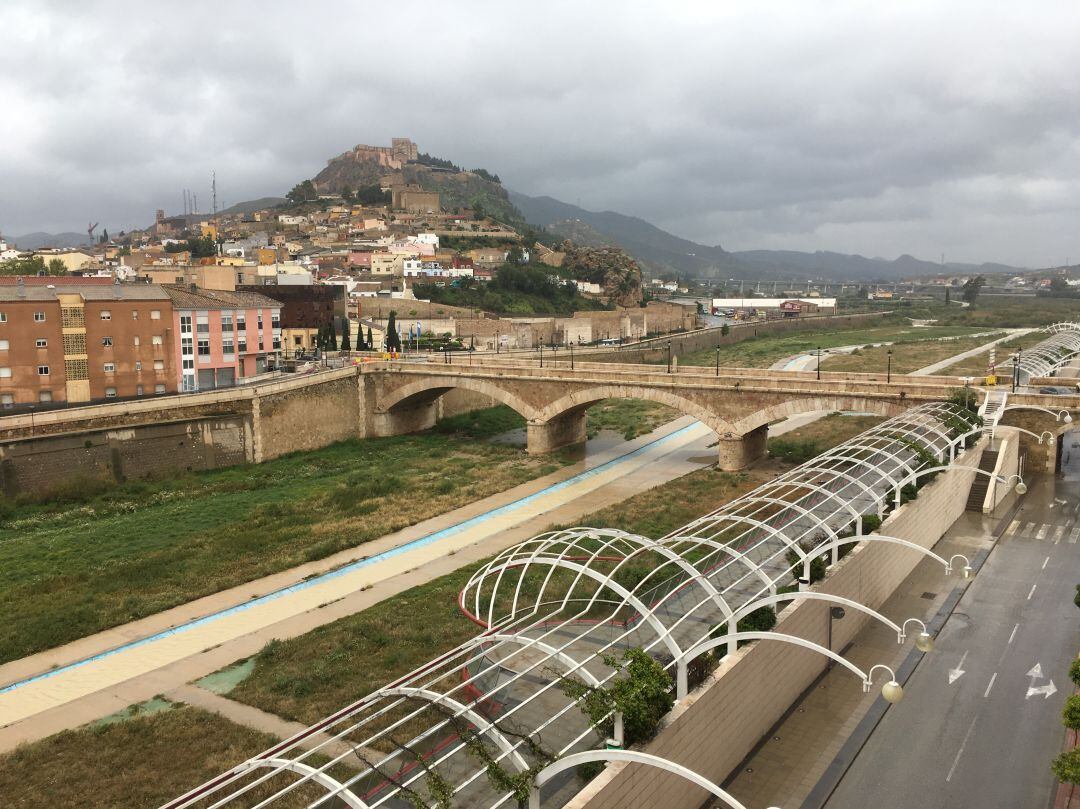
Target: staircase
981,483
992,408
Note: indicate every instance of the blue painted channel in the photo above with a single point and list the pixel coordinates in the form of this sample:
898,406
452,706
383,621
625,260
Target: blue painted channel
429,539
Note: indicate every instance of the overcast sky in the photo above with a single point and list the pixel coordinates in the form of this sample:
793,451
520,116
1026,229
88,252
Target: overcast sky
876,128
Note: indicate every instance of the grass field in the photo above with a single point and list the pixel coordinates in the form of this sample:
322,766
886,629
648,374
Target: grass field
906,358
806,442
976,366
138,764
761,352
307,677
68,569
1002,311
628,417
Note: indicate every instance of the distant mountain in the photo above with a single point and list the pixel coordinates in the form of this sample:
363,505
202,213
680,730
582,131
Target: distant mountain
39,239
656,249
659,251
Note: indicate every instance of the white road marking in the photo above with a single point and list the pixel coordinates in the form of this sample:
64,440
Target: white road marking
1075,536
1047,690
1036,672
1047,559
960,752
1031,592
987,692
1013,633
1029,528
1011,530
1042,531
958,672
1059,534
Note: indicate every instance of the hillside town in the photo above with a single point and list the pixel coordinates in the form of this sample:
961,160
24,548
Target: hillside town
201,301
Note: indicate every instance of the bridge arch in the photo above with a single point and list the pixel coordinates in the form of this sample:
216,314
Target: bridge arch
426,390
579,401
814,404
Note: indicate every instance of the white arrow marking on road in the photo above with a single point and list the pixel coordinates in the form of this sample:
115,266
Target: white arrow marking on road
958,672
1046,690
1036,672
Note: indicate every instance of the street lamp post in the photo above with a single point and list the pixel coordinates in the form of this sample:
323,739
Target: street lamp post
669,358
888,367
718,360
819,363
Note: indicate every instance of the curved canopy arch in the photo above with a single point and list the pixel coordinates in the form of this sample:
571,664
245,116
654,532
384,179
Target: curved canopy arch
307,773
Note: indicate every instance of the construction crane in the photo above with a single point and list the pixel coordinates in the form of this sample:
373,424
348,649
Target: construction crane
90,232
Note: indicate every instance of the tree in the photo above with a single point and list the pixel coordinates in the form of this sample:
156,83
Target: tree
970,291
370,340
331,335
104,236
947,294
35,265
1070,716
201,247
56,267
393,342
347,194
346,343
515,255
1066,767
303,192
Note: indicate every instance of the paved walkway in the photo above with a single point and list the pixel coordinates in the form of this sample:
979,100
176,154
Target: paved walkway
930,370
96,676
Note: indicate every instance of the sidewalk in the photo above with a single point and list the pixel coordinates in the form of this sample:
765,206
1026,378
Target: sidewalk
784,769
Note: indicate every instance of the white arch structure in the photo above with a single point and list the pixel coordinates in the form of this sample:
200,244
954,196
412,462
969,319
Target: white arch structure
567,602
1044,358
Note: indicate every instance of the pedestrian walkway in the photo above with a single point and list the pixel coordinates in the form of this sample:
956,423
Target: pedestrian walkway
788,764
930,370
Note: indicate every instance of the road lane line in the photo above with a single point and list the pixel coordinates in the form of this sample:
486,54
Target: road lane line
1028,529
960,752
1047,559
1013,633
987,692
1058,534
1042,531
1032,591
1011,530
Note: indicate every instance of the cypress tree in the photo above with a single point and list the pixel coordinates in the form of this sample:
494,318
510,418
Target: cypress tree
346,343
331,335
370,340
393,342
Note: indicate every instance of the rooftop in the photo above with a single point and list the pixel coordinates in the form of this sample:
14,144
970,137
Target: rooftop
184,297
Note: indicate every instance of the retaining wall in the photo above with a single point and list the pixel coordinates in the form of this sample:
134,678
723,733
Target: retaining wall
718,724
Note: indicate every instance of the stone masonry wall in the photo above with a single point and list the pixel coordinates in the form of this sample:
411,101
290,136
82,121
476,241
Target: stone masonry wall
297,417
718,724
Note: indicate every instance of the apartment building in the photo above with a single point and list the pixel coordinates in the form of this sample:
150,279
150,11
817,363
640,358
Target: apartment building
223,336
83,342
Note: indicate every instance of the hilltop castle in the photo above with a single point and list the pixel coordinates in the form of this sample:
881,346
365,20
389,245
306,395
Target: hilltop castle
400,152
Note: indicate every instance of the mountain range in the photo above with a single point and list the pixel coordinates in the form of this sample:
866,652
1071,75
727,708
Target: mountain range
661,252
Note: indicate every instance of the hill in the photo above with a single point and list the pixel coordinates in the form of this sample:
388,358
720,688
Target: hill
252,205
661,252
39,239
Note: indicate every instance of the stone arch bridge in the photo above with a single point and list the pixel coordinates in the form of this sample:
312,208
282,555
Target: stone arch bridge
737,404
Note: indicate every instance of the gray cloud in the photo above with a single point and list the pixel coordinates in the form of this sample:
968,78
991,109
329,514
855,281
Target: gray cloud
924,127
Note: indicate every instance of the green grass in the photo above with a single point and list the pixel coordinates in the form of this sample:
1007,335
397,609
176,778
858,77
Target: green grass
906,358
815,438
761,352
70,569
138,763
309,676
976,366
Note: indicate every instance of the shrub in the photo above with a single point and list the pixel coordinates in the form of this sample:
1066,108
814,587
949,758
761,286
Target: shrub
1071,715
590,769
1074,672
870,523
760,620
1066,767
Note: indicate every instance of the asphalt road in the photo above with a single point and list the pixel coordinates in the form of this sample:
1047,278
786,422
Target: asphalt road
985,739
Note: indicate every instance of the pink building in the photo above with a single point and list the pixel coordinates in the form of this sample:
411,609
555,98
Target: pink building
222,337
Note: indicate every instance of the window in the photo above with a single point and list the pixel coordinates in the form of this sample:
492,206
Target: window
138,390
3,345
41,343
277,342
136,339
74,343
159,365
187,345
185,324
241,344
275,320
109,368
72,317
226,323
241,321
227,346
188,364
107,342
39,317
159,387
106,314
134,314
110,393
204,347
202,324
45,396
3,317
43,370
260,320
76,369
138,365
156,339
7,401
155,314
5,373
